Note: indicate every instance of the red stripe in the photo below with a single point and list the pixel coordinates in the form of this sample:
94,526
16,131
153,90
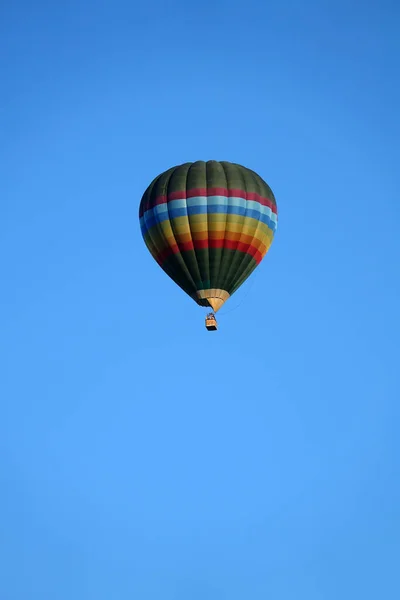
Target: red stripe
203,244
186,246
200,244
216,243
231,245
206,192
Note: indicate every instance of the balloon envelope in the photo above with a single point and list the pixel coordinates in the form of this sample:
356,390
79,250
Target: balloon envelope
208,225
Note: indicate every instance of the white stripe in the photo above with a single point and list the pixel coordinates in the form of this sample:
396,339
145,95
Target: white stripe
177,204
197,201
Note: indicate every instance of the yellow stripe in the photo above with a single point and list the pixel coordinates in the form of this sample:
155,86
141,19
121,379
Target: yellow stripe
232,229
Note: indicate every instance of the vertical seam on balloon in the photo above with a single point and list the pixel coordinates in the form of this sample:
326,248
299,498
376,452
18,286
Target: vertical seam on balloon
228,274
208,234
169,269
214,280
235,281
191,233
167,245
250,268
174,234
224,248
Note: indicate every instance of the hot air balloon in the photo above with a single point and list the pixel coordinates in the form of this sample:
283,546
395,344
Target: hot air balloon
208,225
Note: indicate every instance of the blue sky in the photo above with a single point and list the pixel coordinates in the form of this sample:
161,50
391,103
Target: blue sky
141,456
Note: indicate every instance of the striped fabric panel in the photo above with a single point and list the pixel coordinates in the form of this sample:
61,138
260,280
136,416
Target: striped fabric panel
206,192
209,205
199,223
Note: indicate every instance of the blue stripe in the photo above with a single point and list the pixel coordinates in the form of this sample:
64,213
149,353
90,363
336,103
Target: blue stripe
192,210
231,206
151,222
165,212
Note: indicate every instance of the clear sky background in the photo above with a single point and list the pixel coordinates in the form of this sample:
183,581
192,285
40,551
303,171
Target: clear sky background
142,457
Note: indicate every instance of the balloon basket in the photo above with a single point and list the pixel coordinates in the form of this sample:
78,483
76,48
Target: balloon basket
211,322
